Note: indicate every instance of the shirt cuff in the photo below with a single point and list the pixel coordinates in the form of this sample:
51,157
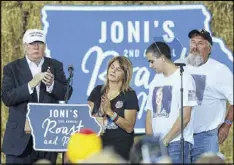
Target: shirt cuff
30,90
50,88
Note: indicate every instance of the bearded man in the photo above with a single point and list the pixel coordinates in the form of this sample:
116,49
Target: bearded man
214,88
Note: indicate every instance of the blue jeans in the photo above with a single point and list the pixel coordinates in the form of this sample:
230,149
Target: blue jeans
205,142
174,151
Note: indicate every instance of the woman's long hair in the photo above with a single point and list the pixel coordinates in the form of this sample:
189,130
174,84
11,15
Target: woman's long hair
126,66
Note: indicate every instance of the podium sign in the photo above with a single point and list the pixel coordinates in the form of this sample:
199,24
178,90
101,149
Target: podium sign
53,124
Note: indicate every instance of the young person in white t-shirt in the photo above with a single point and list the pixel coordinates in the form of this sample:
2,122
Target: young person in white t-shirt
164,102
214,82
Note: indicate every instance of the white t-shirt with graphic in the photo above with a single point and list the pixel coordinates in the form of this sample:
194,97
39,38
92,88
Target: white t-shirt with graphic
214,82
164,102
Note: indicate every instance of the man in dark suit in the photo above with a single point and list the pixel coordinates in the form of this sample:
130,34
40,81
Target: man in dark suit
33,78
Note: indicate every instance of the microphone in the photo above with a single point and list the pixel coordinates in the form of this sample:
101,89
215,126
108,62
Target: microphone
70,68
180,64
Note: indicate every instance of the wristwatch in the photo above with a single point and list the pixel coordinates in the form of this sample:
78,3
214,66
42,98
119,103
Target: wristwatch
229,122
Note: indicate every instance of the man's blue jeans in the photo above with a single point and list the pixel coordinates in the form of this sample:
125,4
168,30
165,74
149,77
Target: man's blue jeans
205,142
174,151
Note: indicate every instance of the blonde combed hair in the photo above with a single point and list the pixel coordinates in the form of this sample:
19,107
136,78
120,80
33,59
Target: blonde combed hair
126,66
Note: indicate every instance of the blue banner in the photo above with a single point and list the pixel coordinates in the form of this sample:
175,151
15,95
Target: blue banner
88,36
51,130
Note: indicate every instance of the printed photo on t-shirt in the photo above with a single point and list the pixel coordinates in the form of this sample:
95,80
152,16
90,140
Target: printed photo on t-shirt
161,101
200,81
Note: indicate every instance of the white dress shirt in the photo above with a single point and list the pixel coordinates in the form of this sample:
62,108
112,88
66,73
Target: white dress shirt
35,69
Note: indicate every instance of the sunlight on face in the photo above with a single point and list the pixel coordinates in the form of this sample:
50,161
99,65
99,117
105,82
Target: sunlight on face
199,51
115,72
154,63
35,50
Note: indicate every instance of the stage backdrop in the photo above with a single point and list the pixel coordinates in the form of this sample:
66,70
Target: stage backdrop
17,16
88,36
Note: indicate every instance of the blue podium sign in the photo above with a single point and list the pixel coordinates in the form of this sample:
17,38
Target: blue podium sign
53,124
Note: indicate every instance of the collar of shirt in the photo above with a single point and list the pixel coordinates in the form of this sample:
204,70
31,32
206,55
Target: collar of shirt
30,62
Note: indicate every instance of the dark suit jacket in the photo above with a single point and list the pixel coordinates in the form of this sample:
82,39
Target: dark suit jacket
15,95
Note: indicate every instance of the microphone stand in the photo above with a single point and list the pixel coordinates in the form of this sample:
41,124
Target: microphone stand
69,81
182,119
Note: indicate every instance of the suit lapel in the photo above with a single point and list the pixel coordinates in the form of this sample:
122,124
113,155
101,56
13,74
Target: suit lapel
25,71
